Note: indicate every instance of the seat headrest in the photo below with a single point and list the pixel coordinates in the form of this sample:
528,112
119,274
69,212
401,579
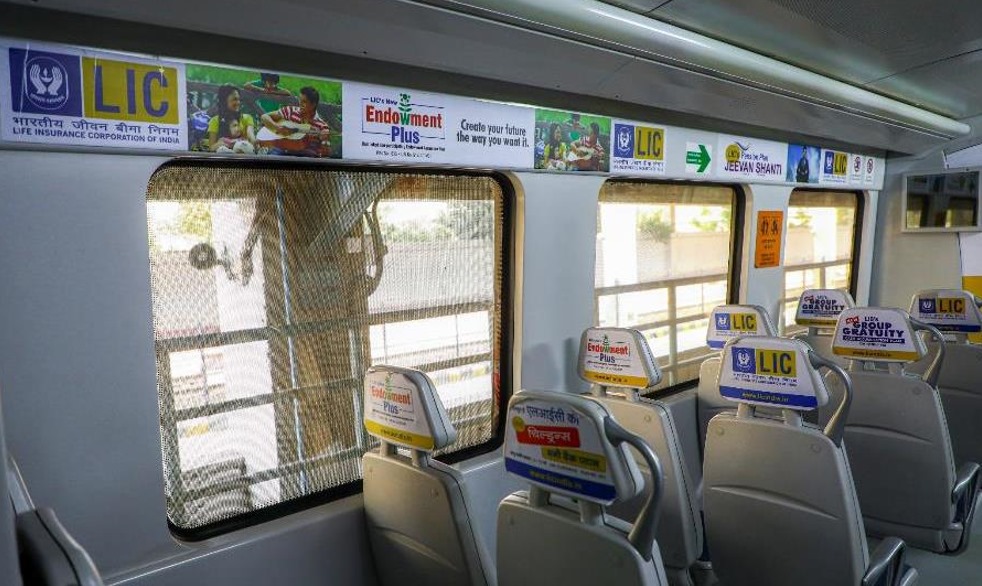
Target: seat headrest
617,357
402,407
877,334
771,371
949,310
730,321
557,441
821,307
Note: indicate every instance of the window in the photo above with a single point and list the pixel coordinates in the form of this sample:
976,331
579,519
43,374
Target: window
664,255
820,247
274,288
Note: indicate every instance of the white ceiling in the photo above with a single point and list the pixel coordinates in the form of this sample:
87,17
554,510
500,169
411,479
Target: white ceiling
925,53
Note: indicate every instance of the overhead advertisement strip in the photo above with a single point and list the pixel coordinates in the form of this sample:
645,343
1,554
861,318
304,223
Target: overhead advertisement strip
76,97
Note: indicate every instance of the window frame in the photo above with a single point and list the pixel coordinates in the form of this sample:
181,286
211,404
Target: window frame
733,275
857,241
505,305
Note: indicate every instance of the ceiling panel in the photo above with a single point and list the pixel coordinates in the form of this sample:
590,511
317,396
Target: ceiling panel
954,84
858,41
726,105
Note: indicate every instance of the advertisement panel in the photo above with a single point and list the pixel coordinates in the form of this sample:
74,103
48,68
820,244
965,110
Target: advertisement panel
65,96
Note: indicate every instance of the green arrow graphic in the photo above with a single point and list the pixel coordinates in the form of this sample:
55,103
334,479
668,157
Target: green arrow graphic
700,157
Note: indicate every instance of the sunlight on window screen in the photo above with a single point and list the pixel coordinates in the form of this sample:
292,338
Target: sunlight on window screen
445,250
662,264
669,243
821,229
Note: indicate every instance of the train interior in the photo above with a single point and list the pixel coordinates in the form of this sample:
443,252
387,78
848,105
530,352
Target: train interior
185,328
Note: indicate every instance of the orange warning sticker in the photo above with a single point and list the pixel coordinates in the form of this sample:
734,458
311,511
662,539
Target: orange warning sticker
767,252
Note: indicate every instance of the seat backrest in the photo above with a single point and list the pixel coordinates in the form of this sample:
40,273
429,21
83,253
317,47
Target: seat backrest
621,360
897,432
779,500
819,310
415,507
569,447
725,322
956,314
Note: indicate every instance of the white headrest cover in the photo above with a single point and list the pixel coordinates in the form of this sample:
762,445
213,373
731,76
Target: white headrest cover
557,441
617,357
402,407
730,321
949,310
877,334
821,307
771,371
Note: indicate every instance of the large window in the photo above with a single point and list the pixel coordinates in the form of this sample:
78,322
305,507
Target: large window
275,288
664,253
821,245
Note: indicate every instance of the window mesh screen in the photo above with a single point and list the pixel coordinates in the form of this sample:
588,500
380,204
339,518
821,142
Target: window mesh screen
662,264
820,246
274,290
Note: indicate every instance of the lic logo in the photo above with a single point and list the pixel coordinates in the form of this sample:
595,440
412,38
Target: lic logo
723,321
927,305
47,88
45,83
743,360
624,141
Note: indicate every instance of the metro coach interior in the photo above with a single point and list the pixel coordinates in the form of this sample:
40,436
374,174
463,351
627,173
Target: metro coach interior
188,310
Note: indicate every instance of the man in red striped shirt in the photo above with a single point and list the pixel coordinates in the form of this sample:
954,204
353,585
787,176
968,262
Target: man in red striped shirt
291,122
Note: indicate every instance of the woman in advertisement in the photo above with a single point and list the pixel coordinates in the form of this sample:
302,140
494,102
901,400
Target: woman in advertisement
554,155
231,131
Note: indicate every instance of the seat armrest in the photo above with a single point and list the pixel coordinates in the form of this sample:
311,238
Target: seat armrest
966,484
963,496
887,565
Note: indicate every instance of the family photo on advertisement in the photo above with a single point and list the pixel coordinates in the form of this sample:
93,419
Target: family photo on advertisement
237,111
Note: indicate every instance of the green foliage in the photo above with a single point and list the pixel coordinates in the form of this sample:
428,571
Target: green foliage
330,91
194,219
462,220
468,220
412,231
706,223
653,225
547,117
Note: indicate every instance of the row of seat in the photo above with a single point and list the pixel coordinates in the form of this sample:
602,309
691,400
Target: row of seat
807,477
897,432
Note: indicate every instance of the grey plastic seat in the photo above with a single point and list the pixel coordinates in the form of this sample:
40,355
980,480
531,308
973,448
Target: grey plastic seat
779,499
415,507
956,314
819,310
897,435
620,364
35,548
574,455
725,322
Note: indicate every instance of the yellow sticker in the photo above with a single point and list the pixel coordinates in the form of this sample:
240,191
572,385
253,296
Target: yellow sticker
805,321
603,378
120,90
743,322
868,353
777,363
576,458
649,143
973,284
951,305
423,442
